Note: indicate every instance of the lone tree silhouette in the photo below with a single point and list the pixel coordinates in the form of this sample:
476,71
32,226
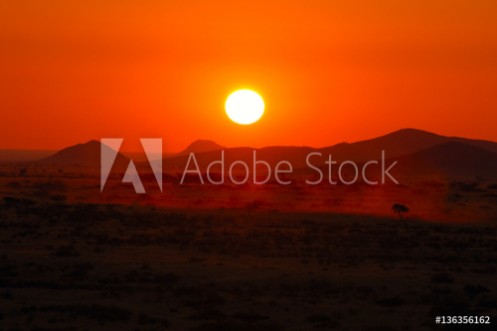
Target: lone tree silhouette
400,209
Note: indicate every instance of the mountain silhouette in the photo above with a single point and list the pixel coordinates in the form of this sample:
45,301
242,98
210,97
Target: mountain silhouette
398,143
201,146
418,152
86,155
450,159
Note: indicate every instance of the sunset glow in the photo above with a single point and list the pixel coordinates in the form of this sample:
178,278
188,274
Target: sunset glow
333,71
248,165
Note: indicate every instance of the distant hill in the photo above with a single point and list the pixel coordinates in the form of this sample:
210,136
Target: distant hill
417,152
451,159
201,146
420,152
86,155
398,143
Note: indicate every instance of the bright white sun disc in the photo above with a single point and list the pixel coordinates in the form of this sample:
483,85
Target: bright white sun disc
244,107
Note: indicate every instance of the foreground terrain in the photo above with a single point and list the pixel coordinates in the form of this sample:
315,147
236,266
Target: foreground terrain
84,266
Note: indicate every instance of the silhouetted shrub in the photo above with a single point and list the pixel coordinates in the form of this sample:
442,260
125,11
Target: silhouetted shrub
400,209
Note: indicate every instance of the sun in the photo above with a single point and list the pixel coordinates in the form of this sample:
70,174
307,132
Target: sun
244,107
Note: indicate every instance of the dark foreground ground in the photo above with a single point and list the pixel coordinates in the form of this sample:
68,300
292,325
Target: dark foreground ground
109,267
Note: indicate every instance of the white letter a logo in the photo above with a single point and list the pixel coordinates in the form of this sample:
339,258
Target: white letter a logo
109,149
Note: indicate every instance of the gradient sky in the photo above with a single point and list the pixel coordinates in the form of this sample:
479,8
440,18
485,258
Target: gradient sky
330,71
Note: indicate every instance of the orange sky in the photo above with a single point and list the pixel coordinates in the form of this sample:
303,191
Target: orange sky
329,71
